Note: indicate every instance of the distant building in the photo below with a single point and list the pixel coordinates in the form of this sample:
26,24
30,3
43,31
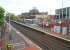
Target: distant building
62,14
63,20
32,13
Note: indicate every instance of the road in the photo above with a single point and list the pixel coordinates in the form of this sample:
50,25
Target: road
45,41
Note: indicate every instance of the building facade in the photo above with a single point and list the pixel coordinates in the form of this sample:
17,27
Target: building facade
33,16
63,20
62,14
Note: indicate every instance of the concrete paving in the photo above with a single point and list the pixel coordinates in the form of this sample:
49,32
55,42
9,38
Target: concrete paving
20,41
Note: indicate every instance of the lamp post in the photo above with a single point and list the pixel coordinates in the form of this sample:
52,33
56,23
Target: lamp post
62,9
43,21
61,19
10,36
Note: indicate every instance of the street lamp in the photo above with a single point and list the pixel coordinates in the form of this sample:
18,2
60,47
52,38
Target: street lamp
62,9
61,18
10,36
43,21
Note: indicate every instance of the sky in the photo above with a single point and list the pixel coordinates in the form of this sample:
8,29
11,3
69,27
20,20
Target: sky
21,6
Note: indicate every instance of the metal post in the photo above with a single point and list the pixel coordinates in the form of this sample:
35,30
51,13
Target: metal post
62,9
10,37
62,15
66,14
43,21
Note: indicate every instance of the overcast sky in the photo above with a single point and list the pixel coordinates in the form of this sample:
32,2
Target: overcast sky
19,6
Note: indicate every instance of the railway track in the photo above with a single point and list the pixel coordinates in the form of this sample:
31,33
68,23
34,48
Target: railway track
46,42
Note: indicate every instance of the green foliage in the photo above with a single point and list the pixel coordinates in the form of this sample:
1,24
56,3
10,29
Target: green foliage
12,17
1,16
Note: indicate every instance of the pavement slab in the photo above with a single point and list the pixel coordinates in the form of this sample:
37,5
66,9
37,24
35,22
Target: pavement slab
20,41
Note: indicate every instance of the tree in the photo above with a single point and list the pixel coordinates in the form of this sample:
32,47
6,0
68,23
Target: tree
2,11
2,17
13,17
10,16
